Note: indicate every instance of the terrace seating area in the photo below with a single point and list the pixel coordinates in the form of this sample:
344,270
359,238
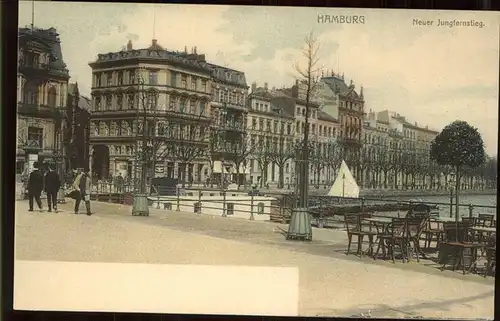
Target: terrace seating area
468,245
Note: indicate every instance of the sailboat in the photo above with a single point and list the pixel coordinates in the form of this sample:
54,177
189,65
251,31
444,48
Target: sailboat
344,185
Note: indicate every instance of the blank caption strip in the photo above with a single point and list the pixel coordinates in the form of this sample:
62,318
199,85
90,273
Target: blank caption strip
151,288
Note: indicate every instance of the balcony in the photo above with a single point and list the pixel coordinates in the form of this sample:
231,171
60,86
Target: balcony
40,111
232,126
33,70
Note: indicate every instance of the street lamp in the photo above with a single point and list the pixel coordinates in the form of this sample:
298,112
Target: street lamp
343,185
451,182
223,186
140,197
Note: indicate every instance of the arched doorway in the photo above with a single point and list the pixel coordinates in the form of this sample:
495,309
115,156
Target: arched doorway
100,162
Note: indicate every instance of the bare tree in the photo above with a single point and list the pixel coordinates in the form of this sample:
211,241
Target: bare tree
308,80
264,156
240,152
333,158
283,150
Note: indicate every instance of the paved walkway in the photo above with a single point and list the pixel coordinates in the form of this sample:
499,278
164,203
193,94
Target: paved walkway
331,283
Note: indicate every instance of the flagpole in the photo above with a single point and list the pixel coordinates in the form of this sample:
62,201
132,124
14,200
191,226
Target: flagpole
32,15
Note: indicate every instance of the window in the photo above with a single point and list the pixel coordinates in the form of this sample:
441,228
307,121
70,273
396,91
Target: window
173,79
52,97
202,108
193,83
35,137
261,124
131,77
108,101
161,129
153,77
109,79
298,111
119,101
97,103
183,82
275,125
182,105
130,102
120,78
171,103
204,85
289,129
192,106
31,93
254,123
230,208
97,79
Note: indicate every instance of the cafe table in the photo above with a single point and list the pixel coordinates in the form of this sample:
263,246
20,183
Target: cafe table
380,224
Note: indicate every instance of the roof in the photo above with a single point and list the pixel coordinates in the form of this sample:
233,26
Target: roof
261,93
327,117
338,85
157,52
50,38
85,103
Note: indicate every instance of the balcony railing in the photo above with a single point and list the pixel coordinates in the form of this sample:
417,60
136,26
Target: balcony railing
38,110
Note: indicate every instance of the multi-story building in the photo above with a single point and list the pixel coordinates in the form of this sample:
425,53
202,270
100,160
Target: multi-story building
228,108
171,90
42,82
77,136
270,124
396,153
350,105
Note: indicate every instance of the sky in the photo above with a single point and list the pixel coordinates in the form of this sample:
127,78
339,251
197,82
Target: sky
431,74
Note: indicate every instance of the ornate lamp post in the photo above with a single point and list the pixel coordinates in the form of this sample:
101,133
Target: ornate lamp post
140,205
223,186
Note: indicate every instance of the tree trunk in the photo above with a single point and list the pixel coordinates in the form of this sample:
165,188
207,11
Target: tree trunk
457,192
281,176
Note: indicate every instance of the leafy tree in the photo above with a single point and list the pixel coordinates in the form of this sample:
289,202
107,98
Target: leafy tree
458,145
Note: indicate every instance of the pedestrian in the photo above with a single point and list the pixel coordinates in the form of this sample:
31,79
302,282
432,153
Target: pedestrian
52,186
83,185
35,187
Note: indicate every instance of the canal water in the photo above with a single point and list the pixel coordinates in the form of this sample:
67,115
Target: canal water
444,210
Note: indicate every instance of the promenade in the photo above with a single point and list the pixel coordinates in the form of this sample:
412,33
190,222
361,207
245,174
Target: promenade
331,283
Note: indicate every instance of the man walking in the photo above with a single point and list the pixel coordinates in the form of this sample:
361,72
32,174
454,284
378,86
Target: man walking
52,186
35,187
82,184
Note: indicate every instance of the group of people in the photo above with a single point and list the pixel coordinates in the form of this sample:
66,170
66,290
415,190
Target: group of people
50,183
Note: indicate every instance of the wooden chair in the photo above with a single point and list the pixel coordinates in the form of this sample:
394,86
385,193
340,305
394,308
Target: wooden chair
433,232
392,238
491,261
485,220
353,226
414,229
458,247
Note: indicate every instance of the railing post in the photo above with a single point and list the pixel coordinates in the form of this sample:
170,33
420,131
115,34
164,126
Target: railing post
224,214
178,198
199,200
157,198
251,208
471,208
362,205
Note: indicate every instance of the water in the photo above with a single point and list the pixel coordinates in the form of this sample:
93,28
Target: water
444,210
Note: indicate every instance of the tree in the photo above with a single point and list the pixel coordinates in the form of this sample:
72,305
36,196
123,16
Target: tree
283,151
333,159
318,159
458,145
308,81
264,156
240,152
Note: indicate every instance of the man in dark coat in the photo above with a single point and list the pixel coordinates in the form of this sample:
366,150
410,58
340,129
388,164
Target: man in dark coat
35,187
52,186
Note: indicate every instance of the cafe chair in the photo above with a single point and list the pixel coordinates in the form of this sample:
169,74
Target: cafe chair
414,229
393,238
354,228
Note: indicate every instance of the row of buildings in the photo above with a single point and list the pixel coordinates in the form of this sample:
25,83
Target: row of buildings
202,120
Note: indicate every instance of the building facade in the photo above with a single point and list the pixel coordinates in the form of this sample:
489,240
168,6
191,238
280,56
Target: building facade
77,135
42,83
196,112
350,105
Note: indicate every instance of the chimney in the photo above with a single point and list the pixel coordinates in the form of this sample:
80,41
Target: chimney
194,50
154,42
185,49
129,45
254,86
265,86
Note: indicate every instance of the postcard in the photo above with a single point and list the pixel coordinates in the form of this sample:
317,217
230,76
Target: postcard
283,161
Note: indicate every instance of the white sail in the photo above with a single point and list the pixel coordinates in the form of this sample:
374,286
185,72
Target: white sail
344,185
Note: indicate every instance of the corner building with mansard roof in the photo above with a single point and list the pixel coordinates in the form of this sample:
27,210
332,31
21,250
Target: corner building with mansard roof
182,81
